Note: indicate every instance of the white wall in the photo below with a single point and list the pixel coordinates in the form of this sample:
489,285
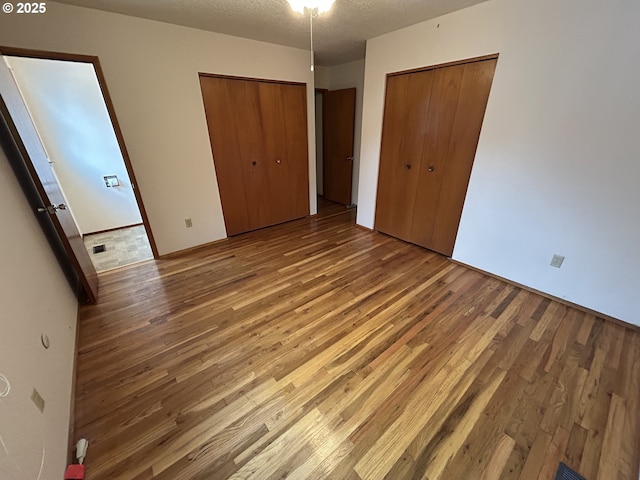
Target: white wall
321,76
67,108
347,75
151,69
556,170
35,299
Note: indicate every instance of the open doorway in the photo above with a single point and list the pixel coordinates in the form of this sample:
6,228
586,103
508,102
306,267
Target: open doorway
69,108
335,128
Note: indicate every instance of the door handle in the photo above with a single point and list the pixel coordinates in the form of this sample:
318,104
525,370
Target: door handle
431,168
349,159
51,209
408,166
278,160
254,163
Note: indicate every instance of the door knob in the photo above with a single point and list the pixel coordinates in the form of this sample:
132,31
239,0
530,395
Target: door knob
254,163
408,166
349,159
431,168
278,160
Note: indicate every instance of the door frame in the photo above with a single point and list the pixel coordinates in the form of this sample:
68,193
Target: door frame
95,61
251,79
464,61
319,126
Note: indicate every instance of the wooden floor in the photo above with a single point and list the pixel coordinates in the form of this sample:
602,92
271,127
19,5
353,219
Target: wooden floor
328,208
317,349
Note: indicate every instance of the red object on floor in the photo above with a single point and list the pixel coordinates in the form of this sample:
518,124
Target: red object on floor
74,472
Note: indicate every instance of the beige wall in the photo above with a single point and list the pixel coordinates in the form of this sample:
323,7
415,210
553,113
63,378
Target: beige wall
35,299
556,170
322,76
151,69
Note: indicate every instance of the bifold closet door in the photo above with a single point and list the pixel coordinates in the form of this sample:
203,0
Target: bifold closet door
232,109
258,134
283,118
458,103
403,136
422,203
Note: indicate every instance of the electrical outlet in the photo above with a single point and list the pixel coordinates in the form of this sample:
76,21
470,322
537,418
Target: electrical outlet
188,222
557,260
37,400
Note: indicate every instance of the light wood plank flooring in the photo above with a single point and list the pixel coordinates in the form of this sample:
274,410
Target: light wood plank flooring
317,349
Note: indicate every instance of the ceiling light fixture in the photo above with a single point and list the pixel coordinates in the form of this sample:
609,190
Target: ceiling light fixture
314,7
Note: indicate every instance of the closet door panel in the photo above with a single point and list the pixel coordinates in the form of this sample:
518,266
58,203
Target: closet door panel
272,119
469,114
251,153
258,133
224,146
284,122
297,150
444,98
404,127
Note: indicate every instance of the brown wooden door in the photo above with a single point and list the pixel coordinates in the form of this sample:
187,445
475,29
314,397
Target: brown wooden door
258,133
338,122
426,209
296,149
283,108
233,116
403,137
32,152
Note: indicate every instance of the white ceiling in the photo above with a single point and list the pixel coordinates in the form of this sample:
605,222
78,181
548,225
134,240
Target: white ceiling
339,35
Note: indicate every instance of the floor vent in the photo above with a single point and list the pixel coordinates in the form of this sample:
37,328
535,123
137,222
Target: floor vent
99,248
565,473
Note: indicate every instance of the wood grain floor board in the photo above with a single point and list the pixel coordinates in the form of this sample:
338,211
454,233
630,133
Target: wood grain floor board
317,349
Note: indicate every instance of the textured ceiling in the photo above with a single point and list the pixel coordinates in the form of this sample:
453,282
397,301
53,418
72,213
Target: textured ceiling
339,35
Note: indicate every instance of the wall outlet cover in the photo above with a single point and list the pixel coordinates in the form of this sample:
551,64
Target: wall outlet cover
557,260
188,222
37,400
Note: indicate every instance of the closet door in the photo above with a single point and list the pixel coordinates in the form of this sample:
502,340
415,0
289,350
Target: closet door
258,133
423,205
461,151
232,109
284,127
403,138
297,150
438,134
